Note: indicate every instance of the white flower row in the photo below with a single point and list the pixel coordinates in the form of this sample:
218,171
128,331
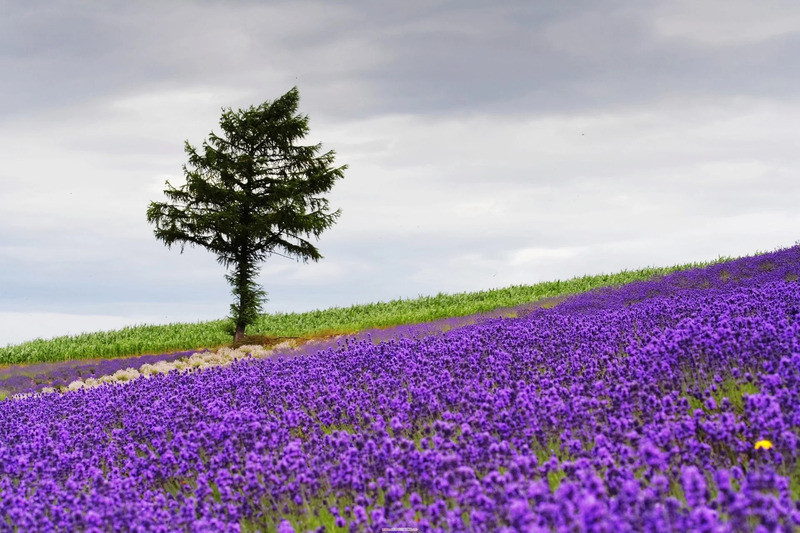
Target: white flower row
199,360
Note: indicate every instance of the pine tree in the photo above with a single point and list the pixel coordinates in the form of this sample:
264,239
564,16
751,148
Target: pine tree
250,193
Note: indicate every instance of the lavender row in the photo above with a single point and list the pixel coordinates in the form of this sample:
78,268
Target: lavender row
59,376
636,410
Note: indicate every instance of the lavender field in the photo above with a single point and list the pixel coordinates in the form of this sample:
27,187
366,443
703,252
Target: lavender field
629,409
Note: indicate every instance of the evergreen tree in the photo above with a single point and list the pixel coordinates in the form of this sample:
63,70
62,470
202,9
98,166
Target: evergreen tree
250,193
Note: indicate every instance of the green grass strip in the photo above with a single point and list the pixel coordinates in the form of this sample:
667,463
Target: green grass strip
150,339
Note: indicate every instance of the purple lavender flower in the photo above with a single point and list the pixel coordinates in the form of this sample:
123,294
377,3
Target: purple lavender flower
607,412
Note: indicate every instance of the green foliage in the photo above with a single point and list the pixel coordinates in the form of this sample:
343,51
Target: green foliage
250,193
794,482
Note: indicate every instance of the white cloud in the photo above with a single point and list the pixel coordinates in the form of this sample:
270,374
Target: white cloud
727,22
487,146
526,256
19,327
482,176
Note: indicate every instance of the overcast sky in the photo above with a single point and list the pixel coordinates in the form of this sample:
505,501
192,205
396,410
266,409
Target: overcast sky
488,143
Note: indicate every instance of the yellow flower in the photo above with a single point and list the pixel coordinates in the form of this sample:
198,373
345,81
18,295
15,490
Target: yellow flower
765,444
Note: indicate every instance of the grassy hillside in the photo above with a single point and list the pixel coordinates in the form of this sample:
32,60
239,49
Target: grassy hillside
150,339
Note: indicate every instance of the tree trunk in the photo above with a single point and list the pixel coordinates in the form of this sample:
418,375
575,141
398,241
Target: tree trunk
238,335
241,288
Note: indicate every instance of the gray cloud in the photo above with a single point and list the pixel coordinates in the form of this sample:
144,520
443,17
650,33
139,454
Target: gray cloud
435,57
488,145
